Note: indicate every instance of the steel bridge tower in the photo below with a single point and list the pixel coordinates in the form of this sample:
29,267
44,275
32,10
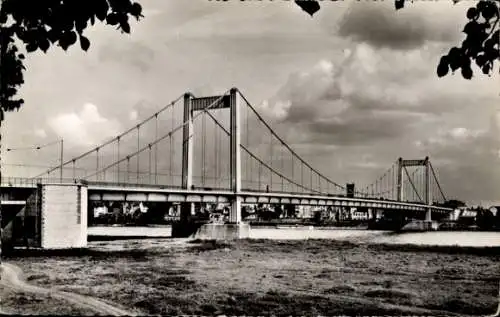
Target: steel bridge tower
192,104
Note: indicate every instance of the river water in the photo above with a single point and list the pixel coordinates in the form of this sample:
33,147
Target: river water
442,238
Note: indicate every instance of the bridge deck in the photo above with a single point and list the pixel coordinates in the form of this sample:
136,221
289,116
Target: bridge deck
160,193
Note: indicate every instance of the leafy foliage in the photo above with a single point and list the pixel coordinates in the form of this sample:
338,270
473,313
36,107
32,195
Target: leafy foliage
308,6
482,42
480,45
42,24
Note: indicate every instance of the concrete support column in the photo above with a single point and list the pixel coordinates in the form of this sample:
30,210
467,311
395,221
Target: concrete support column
235,155
235,211
186,209
290,210
187,144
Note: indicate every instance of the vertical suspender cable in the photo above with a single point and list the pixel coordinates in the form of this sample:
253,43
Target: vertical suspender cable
270,171
138,154
171,148
216,178
156,149
247,158
302,176
118,159
282,168
149,167
260,174
97,164
203,140
311,180
128,169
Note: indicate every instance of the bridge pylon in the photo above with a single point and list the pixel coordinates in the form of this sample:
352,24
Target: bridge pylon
192,104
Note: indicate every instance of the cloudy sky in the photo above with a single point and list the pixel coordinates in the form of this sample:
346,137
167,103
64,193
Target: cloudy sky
351,89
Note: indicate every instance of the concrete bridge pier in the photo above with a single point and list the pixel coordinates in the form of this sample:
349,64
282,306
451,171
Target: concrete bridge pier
232,229
185,210
428,214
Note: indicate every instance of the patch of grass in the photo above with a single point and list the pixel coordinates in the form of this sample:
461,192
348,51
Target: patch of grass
209,245
340,289
456,250
72,253
92,238
23,303
261,277
389,293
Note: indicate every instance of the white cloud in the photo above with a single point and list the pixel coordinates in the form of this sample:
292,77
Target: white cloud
85,128
390,103
40,133
133,115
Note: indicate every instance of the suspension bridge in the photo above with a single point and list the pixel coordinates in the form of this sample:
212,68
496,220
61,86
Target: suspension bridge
194,150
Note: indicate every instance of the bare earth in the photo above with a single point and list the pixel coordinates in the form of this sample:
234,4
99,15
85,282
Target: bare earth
256,277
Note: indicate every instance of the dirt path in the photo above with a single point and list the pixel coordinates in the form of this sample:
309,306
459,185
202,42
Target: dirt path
12,277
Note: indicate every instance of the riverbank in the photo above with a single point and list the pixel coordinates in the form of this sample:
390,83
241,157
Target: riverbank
255,277
444,238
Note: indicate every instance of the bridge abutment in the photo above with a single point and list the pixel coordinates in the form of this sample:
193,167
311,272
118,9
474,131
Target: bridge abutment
64,216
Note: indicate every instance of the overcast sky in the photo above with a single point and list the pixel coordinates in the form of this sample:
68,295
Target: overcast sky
352,89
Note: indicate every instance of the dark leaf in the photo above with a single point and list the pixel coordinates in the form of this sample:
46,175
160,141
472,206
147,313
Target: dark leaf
125,27
308,6
471,28
71,37
21,34
486,69
472,13
101,9
399,4
112,19
53,35
454,58
466,72
84,43
64,45
489,11
442,69
44,44
481,5
66,40
136,9
80,25
31,47
489,44
480,60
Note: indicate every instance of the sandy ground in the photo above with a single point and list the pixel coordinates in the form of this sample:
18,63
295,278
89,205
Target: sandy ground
256,277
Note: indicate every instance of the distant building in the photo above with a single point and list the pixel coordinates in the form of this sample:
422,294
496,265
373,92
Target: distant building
494,210
100,211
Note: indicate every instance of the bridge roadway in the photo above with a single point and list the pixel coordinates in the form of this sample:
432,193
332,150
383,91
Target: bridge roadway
101,191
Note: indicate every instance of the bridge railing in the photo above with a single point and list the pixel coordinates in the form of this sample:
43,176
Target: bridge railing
9,181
